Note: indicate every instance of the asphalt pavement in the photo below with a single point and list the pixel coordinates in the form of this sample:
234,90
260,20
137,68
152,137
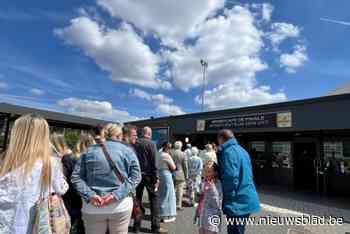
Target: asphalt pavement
277,203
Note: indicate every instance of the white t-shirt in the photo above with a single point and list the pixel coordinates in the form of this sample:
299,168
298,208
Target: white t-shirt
125,204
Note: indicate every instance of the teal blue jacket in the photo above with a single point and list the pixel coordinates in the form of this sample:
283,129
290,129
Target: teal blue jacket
239,193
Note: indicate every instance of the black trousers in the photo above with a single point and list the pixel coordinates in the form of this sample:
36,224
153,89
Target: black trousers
148,183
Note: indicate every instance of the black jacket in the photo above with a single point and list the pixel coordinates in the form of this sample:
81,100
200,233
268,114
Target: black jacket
146,152
71,199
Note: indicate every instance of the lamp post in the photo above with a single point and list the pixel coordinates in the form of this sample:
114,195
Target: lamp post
204,65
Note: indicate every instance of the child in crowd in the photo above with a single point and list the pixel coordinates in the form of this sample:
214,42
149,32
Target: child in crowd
208,213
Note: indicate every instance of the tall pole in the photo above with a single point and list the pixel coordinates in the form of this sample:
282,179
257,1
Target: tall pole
204,70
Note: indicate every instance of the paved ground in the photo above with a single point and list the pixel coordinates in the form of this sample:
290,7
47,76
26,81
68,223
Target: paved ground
279,203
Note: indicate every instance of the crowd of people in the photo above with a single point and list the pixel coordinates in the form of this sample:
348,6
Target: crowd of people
101,180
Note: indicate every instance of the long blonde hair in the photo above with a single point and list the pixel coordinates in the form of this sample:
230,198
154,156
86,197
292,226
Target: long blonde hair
29,143
59,143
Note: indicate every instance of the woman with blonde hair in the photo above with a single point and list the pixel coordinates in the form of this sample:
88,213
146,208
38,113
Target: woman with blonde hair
105,176
71,199
114,131
28,166
84,142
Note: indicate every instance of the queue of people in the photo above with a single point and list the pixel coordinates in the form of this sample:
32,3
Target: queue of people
102,179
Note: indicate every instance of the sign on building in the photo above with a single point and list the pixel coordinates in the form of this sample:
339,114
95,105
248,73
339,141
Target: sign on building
255,120
200,125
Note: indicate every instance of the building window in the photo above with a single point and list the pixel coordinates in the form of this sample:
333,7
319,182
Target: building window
282,155
3,122
333,149
257,150
337,155
160,136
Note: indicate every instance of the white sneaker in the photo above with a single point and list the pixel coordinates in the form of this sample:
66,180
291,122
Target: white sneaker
169,220
195,204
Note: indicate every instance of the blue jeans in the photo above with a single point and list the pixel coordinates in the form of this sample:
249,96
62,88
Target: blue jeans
236,228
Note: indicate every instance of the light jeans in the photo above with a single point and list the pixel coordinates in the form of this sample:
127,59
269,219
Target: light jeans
117,223
167,197
179,186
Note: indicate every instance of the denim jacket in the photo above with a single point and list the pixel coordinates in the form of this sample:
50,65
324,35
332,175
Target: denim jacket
93,175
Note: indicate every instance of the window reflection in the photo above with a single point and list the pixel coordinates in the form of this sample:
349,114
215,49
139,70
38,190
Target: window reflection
257,150
337,156
3,122
282,154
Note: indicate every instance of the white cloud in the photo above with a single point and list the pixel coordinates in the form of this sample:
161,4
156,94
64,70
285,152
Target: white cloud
239,95
172,21
170,109
3,85
267,10
230,40
95,109
230,43
282,31
156,98
119,51
164,104
294,60
37,92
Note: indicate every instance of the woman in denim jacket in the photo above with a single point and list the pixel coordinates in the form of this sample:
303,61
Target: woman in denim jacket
107,202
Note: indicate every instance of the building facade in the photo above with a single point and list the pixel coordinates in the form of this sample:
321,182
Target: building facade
300,144
58,122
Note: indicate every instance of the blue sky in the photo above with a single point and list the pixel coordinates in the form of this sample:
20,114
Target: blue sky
122,60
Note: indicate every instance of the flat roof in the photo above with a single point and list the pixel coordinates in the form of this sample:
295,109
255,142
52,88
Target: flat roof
341,89
51,116
330,98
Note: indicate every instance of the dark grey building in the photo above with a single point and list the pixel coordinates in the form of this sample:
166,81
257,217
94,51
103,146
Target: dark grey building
301,144
57,121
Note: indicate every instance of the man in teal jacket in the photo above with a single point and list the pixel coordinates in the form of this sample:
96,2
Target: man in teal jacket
240,198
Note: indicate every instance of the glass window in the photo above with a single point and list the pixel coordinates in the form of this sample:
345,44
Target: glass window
346,156
160,135
282,154
337,155
333,148
257,149
3,122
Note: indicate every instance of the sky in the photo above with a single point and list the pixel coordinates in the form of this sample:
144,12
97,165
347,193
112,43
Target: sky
126,60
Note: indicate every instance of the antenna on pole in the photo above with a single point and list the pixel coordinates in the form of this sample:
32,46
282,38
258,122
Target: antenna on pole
204,65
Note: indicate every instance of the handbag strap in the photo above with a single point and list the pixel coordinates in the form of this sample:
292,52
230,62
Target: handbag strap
42,187
111,163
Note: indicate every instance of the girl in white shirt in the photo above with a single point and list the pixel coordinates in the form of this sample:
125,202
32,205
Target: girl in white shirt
26,160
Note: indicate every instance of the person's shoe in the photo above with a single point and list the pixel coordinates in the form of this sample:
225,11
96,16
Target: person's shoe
135,229
169,220
195,204
159,230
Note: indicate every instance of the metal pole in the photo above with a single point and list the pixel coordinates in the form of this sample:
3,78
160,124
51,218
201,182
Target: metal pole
204,69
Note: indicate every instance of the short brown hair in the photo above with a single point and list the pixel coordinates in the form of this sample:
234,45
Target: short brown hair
226,134
127,129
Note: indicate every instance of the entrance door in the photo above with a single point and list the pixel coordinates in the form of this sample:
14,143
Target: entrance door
304,168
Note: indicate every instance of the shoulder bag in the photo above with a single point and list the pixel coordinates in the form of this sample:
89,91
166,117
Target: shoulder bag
51,216
136,210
